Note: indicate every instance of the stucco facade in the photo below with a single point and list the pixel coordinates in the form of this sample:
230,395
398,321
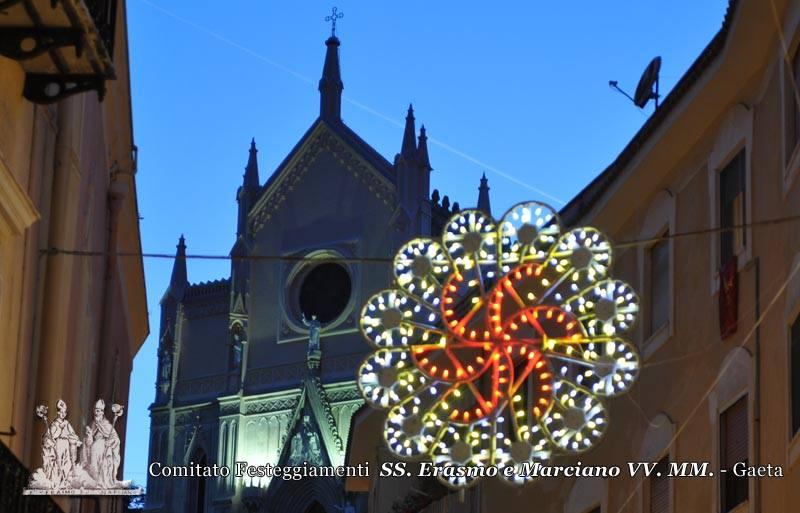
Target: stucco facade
71,325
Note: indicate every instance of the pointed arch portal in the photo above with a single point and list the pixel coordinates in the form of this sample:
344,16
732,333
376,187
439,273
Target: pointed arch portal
196,493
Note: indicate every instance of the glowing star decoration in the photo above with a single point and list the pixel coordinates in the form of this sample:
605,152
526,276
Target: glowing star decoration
498,344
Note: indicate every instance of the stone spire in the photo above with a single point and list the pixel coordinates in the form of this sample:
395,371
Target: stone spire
422,150
409,147
330,85
247,194
251,170
179,280
483,196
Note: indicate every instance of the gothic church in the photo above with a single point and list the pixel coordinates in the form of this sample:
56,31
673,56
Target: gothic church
260,366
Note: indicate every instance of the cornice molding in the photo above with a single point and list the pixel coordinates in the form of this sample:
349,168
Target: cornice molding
17,211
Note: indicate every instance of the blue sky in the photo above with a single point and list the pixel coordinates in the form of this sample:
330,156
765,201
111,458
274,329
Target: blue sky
519,92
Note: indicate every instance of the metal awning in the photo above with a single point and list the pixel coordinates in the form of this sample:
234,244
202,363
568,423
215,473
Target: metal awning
64,46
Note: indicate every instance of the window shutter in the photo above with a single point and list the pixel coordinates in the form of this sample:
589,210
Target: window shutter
659,488
732,209
733,449
659,285
735,429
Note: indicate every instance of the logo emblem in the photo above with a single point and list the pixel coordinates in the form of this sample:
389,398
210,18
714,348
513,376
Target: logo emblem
92,472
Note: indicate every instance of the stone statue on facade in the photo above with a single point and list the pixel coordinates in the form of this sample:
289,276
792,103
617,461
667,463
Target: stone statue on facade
166,365
296,449
314,453
314,327
236,347
305,446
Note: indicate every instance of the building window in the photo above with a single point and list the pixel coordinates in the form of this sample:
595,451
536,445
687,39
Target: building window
659,487
793,109
794,352
733,434
658,261
732,208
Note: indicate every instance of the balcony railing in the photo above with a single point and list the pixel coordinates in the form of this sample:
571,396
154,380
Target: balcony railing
13,478
104,14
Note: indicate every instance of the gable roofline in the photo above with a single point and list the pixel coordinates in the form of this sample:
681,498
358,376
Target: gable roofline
345,136
583,203
358,144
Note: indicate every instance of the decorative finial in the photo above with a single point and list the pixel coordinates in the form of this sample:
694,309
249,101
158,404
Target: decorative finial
335,15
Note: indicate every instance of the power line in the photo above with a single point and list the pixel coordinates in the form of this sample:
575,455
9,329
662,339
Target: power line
366,108
707,231
682,425
54,251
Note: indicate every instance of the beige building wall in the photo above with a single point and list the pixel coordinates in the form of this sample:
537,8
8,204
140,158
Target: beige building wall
737,95
69,325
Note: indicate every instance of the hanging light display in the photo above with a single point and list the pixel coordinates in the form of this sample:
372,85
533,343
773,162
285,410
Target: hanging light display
497,345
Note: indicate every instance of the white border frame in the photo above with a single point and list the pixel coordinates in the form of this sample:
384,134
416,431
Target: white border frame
791,313
735,380
790,163
586,494
735,133
660,217
655,446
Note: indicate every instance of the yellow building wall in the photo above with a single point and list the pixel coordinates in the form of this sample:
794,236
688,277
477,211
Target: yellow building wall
689,374
69,326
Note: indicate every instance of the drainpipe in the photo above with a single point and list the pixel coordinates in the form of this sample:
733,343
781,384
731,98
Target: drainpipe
757,398
117,191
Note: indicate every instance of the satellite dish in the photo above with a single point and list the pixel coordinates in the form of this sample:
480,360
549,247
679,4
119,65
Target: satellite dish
648,84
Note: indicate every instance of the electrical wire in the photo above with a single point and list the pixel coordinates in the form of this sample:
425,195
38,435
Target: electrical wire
625,244
682,425
723,370
366,108
55,251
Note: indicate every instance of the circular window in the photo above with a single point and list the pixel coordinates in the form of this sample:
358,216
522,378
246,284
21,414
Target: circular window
324,292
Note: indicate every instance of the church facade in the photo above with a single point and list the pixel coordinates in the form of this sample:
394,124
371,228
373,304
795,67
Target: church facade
260,366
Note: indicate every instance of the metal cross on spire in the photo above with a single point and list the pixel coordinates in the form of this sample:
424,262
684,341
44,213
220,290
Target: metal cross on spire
335,15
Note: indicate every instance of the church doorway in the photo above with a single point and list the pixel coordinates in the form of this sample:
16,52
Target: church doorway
315,507
196,494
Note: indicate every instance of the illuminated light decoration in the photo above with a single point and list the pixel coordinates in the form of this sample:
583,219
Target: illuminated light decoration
498,344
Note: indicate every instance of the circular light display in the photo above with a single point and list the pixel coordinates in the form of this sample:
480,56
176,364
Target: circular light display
498,344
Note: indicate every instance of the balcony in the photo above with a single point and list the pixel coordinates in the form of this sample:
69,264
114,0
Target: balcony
64,46
13,478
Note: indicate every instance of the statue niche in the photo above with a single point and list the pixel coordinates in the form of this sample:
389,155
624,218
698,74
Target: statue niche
305,446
